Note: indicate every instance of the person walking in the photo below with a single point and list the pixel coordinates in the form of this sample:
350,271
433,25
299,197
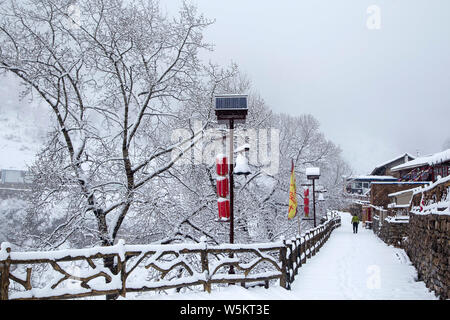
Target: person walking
355,222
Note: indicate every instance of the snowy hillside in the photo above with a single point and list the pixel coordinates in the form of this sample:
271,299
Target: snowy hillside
22,125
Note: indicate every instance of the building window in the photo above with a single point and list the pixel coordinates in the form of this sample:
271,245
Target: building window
356,185
439,171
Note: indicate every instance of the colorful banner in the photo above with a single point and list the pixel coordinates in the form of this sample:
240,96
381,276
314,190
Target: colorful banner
292,195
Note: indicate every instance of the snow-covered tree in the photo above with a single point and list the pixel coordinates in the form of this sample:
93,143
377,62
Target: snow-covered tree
120,77
117,79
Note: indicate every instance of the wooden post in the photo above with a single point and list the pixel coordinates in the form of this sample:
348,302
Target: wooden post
283,258
5,263
307,255
303,249
205,268
291,263
319,243
321,237
314,241
299,252
122,268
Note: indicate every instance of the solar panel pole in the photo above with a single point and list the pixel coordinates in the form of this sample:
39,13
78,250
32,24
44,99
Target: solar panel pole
231,124
231,108
314,202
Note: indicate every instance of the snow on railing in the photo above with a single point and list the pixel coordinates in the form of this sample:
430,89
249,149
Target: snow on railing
120,269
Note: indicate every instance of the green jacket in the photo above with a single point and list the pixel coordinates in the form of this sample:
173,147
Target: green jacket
355,219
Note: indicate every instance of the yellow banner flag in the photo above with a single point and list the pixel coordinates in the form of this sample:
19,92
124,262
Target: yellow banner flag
292,195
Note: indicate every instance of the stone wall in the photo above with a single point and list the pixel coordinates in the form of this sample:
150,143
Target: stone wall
376,225
393,232
428,247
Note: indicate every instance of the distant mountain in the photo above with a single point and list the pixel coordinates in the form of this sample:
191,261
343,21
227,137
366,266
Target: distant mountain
24,123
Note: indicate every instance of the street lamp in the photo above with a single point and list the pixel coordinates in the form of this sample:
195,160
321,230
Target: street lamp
242,167
313,174
231,109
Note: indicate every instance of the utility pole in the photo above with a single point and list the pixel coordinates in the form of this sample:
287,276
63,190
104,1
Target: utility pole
231,124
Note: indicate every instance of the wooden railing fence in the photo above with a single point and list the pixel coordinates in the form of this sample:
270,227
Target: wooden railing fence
77,273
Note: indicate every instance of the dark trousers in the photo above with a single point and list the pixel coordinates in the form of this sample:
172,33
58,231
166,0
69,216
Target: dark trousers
355,227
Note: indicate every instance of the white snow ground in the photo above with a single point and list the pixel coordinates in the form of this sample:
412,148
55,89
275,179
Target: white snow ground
348,267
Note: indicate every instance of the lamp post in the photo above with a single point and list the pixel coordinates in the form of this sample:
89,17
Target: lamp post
231,109
313,174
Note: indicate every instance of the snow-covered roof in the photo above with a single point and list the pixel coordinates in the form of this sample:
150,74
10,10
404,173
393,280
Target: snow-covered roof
398,206
394,194
401,182
393,160
431,159
369,177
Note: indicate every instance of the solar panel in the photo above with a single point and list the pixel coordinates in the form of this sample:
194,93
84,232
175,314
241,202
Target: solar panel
231,107
231,102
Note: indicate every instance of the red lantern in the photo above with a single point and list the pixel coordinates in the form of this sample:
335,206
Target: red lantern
306,202
224,208
222,186
222,165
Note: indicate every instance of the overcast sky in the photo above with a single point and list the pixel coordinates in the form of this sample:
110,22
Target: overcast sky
377,92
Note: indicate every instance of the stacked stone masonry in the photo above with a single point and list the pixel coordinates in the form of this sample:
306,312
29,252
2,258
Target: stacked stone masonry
426,240
428,247
393,233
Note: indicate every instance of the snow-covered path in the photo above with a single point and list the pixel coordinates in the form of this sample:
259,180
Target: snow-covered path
349,266
358,266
